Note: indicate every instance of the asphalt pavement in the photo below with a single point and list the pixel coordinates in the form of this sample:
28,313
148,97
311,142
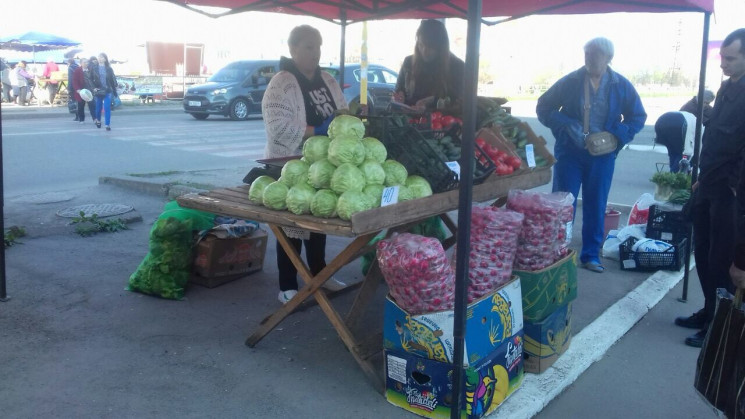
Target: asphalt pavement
74,343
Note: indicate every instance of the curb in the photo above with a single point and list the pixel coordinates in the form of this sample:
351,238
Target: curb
171,190
14,113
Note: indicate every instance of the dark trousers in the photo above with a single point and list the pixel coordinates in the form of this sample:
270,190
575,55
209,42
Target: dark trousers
6,92
52,90
21,96
714,239
80,112
675,159
315,254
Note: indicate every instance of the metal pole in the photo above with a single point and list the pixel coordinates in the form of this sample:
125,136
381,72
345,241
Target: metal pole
342,53
465,199
696,144
3,293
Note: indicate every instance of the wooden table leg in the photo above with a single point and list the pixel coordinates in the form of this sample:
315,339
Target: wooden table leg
312,283
365,294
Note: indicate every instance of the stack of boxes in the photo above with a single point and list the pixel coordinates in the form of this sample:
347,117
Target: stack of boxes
221,260
547,312
419,355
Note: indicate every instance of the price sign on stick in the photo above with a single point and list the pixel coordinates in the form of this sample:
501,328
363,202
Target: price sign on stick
530,155
455,167
390,196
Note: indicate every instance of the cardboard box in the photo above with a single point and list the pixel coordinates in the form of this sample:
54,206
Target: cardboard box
489,321
546,290
424,386
217,261
546,340
539,143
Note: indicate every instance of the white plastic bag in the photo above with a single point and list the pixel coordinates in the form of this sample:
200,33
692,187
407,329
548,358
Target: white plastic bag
610,246
652,245
640,211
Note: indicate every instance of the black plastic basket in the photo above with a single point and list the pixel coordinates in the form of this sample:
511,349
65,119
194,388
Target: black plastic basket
379,125
670,260
482,164
408,147
667,225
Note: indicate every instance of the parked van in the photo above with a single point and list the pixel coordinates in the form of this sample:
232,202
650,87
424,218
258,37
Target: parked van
235,91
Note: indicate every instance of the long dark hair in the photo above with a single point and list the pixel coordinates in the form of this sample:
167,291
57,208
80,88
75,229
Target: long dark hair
106,59
433,34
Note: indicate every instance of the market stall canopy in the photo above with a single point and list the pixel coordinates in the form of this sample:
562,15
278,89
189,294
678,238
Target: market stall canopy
359,10
36,41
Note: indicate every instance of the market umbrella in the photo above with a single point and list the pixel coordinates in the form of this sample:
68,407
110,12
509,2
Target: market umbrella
342,11
35,41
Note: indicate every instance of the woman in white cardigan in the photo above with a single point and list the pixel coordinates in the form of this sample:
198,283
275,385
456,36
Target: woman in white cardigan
299,103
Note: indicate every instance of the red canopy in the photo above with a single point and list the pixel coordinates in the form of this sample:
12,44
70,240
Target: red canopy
358,10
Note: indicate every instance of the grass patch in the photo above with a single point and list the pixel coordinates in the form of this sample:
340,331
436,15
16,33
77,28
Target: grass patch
13,234
88,226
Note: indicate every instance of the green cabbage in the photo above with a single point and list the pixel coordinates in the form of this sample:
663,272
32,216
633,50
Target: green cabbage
347,178
275,195
351,202
323,204
395,173
316,148
374,173
404,193
294,171
375,192
346,150
346,125
319,174
374,150
299,197
256,191
419,186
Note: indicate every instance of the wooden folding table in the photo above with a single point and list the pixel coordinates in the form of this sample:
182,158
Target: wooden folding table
363,226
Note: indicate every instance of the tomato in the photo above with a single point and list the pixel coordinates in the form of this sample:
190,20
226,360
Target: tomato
515,162
436,126
436,116
502,169
480,142
447,120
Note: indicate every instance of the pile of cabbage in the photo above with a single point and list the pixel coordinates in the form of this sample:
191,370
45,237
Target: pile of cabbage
338,175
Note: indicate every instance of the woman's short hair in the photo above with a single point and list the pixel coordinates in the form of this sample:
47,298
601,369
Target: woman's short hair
299,32
603,44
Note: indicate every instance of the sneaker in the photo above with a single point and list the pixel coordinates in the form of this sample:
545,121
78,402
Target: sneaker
697,339
82,122
108,128
694,321
286,296
333,285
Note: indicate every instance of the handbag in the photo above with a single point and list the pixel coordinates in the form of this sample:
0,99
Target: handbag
720,369
72,106
116,102
100,92
599,143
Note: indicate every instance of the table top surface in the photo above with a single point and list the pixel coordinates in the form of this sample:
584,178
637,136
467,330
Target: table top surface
233,202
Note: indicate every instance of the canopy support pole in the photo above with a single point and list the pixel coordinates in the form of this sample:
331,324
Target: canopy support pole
697,144
342,52
3,293
465,198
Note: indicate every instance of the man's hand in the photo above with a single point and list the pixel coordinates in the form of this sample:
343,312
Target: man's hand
737,275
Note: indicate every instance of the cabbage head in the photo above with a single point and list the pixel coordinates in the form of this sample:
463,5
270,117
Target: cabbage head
299,198
346,126
419,186
374,150
395,173
346,149
347,177
323,204
375,192
319,174
404,193
316,148
374,173
293,172
275,196
351,202
256,191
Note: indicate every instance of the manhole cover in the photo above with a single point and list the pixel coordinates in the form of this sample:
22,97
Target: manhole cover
102,210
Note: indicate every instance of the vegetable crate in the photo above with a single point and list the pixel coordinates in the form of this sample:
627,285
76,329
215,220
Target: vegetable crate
666,224
448,144
407,146
669,260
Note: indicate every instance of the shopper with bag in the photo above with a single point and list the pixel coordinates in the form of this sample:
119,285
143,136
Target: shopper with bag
299,103
81,80
592,112
713,200
105,88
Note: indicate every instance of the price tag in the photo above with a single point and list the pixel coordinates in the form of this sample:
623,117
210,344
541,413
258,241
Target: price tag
530,155
455,167
390,196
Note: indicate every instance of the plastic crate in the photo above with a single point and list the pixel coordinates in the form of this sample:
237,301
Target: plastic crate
408,147
671,260
667,224
379,125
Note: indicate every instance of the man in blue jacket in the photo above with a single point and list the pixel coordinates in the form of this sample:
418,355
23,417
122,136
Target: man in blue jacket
614,107
714,201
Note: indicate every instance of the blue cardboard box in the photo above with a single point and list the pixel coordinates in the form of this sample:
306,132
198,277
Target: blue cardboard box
546,340
424,386
489,321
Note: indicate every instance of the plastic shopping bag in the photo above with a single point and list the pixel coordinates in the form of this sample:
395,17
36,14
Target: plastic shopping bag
640,211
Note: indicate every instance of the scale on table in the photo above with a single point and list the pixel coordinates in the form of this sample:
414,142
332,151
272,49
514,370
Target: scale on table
272,167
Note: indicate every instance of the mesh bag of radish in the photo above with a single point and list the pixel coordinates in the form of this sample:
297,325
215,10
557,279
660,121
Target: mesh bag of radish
417,272
544,235
494,236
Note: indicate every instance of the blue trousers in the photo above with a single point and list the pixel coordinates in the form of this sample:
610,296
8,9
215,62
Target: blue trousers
594,175
104,103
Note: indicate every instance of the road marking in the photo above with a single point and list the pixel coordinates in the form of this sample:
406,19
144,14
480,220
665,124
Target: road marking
656,148
589,346
222,147
241,153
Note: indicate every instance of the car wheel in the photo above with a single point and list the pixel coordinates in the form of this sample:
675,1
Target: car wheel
199,116
239,110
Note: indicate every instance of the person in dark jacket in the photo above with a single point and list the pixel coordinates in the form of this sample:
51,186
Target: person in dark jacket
81,80
713,201
71,67
615,108
737,270
692,105
105,85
